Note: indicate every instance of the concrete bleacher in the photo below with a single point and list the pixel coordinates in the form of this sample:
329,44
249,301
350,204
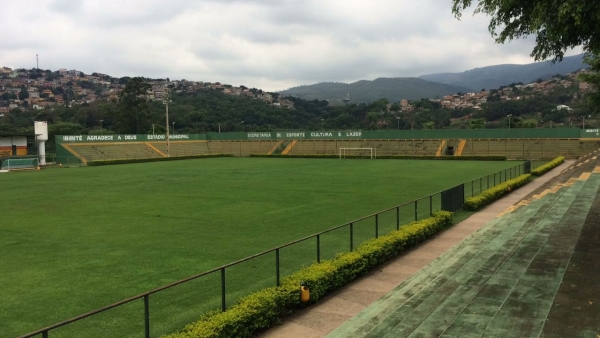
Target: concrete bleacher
512,148
241,148
503,280
183,148
114,151
382,147
529,148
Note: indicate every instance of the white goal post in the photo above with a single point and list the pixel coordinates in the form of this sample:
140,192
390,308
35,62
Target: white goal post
372,152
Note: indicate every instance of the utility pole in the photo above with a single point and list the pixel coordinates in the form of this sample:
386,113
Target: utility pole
166,101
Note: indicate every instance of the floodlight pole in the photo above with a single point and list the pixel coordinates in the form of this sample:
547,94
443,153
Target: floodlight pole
509,116
101,127
166,101
173,128
398,118
322,124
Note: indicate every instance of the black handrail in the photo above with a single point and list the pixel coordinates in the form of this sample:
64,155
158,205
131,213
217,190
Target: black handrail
44,331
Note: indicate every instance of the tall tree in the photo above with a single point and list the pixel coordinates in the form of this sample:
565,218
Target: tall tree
593,77
23,94
557,25
133,115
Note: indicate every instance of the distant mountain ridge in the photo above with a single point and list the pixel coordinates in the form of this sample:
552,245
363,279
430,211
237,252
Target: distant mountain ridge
492,77
394,89
432,85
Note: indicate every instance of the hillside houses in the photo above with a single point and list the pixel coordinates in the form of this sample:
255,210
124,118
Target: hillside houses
507,93
70,87
36,89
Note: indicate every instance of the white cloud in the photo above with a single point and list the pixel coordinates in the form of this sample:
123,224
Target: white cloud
266,44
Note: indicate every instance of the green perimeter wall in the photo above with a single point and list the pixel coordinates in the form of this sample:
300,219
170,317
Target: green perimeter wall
537,133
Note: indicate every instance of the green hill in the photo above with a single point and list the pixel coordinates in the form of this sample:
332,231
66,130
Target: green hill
394,89
492,77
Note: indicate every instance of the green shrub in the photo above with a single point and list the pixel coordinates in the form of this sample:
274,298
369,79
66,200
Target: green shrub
264,308
386,157
488,196
548,166
157,159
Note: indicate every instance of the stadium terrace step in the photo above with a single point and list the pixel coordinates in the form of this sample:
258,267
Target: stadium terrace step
500,281
526,307
437,272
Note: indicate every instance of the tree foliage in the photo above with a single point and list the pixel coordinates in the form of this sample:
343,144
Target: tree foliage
557,25
593,77
133,116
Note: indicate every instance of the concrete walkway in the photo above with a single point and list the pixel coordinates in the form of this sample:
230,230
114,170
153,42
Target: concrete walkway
324,317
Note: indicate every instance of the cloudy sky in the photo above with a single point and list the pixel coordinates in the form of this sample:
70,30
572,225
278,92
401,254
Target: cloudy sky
268,44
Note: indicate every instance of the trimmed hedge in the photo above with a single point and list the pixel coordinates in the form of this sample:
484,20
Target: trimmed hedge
157,159
488,196
262,309
386,157
548,166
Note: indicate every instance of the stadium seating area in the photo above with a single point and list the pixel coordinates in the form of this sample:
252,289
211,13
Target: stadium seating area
113,151
529,148
241,148
182,148
383,147
512,148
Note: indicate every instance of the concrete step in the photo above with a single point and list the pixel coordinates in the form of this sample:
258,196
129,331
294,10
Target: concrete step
444,303
473,306
422,286
525,309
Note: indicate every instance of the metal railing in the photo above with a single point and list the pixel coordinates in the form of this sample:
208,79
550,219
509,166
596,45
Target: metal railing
346,237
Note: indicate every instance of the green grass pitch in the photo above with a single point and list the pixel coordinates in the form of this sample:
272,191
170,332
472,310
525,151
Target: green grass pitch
73,240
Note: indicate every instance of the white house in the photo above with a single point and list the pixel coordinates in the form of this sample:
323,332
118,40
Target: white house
562,106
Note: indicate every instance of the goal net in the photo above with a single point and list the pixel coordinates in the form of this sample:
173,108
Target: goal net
19,163
358,152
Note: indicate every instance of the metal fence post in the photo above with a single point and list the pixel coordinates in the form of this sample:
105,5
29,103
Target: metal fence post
351,236
376,225
397,218
318,248
416,208
147,316
277,266
223,301
431,204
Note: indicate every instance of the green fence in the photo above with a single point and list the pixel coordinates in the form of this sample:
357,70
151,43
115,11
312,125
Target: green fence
537,133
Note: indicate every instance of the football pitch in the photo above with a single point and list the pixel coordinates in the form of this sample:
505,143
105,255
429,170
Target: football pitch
73,240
